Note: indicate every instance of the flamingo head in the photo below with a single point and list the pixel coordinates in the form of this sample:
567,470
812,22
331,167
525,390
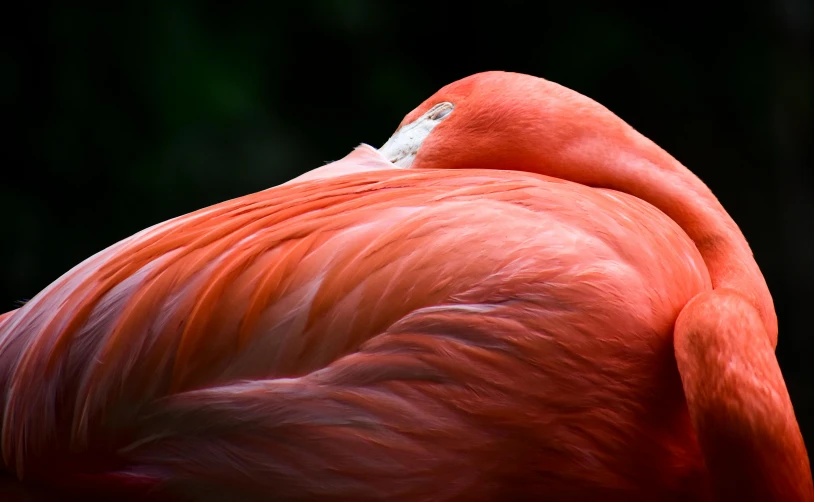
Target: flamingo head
508,121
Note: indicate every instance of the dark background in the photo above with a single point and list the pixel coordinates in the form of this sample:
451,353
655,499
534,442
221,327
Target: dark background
122,117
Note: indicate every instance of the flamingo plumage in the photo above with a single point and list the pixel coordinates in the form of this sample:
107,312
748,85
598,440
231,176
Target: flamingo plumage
518,297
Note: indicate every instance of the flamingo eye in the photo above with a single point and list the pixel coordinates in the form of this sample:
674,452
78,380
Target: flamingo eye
402,147
440,111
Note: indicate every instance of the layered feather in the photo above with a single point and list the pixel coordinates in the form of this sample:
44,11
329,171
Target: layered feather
384,334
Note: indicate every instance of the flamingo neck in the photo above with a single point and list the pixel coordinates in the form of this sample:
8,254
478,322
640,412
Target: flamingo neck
630,163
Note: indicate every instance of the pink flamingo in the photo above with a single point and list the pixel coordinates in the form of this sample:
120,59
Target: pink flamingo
518,297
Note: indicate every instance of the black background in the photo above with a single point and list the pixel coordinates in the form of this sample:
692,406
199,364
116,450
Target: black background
124,116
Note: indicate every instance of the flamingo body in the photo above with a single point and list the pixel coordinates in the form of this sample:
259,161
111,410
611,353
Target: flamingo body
367,332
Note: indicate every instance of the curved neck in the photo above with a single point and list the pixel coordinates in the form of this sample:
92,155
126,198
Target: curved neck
628,162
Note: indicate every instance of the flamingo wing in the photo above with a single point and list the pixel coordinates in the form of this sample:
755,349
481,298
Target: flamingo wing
361,336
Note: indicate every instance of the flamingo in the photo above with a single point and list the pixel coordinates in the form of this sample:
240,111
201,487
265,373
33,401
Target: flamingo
518,297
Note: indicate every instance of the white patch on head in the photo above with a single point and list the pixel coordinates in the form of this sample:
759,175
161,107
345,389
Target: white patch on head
402,148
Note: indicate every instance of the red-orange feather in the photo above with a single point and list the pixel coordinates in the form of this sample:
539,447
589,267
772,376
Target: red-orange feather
368,249
371,333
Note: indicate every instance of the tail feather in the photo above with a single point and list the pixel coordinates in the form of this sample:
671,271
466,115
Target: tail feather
8,360
11,488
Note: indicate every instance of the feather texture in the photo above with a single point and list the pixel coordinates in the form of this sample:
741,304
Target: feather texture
364,315
546,305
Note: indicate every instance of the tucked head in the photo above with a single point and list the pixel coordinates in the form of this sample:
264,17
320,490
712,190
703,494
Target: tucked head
502,120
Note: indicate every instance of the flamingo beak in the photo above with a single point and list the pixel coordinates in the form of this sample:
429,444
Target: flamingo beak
402,148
